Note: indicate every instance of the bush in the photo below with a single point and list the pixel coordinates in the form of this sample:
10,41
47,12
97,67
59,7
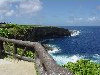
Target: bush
4,32
83,67
27,53
9,47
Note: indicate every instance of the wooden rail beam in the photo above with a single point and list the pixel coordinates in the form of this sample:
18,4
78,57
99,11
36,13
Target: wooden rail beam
49,62
46,60
21,57
19,42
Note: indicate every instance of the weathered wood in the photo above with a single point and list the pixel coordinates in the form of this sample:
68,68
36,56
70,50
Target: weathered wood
23,51
15,50
48,63
21,57
19,42
1,48
39,67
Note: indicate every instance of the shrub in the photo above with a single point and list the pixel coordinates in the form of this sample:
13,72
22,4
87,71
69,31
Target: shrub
4,32
83,67
9,47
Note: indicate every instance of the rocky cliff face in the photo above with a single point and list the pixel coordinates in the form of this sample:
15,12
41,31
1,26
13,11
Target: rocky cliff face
31,32
37,33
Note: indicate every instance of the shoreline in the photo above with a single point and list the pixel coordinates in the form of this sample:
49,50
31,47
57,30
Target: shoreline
32,33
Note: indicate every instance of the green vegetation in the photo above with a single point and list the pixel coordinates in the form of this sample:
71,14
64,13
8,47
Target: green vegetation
83,67
9,30
17,31
4,32
27,53
13,30
9,47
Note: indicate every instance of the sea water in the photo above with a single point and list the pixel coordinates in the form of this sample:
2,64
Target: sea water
84,43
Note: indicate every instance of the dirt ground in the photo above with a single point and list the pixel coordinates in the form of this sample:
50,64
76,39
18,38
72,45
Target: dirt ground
16,67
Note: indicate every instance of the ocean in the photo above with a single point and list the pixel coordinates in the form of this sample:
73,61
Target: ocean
83,44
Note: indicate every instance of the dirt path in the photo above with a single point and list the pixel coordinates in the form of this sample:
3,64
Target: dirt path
15,67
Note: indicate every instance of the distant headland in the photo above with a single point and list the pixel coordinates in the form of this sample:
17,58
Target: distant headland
31,32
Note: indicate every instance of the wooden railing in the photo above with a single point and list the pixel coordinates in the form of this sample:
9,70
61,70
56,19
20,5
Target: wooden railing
45,64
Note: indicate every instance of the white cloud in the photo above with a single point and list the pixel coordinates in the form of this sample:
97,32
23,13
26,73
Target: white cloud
5,9
92,18
98,7
30,6
75,20
1,2
16,7
9,13
80,18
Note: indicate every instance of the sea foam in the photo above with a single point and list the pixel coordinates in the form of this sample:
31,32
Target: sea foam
63,59
55,49
96,58
74,32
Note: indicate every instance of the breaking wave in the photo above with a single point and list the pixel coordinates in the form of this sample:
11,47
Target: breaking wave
74,32
96,58
55,49
63,59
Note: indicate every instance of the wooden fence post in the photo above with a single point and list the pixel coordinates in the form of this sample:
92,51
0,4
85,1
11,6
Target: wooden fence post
15,50
44,60
40,67
1,48
23,52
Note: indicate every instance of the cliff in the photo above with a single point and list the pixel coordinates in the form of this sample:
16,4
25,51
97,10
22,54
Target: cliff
34,33
46,32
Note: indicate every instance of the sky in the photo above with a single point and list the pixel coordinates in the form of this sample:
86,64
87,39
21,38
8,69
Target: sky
51,12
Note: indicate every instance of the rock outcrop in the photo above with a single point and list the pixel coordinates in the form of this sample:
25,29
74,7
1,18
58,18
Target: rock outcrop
37,33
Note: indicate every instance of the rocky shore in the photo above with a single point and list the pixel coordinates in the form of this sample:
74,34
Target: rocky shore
38,33
31,32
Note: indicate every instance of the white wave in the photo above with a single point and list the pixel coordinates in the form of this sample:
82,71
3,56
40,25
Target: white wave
74,32
55,49
63,59
96,58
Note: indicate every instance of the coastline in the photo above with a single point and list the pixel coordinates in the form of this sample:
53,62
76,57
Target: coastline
32,33
48,48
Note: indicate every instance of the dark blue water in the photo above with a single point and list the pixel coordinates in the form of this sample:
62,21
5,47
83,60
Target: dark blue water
86,45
